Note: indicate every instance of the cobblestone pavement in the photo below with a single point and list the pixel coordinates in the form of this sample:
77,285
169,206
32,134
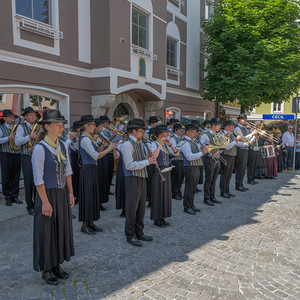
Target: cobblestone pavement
246,248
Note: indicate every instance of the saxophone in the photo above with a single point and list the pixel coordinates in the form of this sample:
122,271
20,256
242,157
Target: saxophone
12,144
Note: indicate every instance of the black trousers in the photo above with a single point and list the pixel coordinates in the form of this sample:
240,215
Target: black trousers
201,175
251,165
241,165
211,174
110,174
226,173
177,175
30,190
192,174
10,171
136,193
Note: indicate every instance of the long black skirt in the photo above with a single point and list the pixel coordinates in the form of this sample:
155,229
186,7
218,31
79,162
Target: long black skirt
161,197
120,187
89,196
52,236
150,170
76,172
103,170
261,167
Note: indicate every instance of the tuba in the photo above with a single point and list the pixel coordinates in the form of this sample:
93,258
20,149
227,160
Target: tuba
12,144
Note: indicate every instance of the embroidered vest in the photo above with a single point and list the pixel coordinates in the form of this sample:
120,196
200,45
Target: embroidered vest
25,147
244,132
194,149
178,140
163,159
231,151
85,157
5,147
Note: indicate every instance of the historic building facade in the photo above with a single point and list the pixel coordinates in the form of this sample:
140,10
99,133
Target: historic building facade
123,58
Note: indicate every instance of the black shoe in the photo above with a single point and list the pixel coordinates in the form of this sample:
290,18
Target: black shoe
102,207
214,200
240,189
159,223
246,189
196,209
149,204
60,273
256,182
146,238
73,217
134,241
16,200
198,190
87,230
110,193
177,198
50,278
251,182
95,228
8,202
230,195
225,195
190,211
165,222
123,214
208,202
30,211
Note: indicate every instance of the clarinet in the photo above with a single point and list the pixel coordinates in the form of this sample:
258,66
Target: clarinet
162,177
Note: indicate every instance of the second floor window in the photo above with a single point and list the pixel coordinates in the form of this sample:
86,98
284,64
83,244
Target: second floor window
38,10
171,52
139,28
277,107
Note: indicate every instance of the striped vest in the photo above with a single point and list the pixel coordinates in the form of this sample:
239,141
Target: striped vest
138,155
25,147
211,141
244,132
177,140
194,149
231,151
5,148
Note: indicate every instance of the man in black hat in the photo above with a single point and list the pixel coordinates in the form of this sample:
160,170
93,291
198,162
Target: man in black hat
171,124
211,163
10,160
191,161
135,172
242,152
229,154
177,173
23,137
206,125
152,123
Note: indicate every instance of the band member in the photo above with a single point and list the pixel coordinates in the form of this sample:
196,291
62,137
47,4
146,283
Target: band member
229,155
171,124
197,140
64,137
288,141
211,163
271,161
161,195
191,161
135,171
261,167
279,149
152,123
89,210
206,125
107,132
242,152
23,137
252,161
10,159
53,232
151,168
177,173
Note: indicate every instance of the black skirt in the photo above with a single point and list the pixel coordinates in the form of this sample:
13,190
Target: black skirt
161,197
52,236
89,196
103,179
76,172
150,170
120,187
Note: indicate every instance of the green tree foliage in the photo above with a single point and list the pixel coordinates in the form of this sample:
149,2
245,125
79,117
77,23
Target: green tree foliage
254,51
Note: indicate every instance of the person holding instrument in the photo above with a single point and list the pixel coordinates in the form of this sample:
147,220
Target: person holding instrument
89,210
191,160
161,196
135,171
52,230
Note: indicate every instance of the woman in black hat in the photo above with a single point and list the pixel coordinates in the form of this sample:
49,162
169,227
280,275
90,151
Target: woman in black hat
89,196
53,232
161,195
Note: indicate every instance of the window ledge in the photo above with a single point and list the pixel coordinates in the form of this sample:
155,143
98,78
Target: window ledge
174,71
38,27
136,50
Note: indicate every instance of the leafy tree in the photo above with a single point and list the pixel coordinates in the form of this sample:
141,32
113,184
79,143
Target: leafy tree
254,52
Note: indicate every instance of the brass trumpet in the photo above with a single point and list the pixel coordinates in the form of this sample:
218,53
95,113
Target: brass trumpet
243,138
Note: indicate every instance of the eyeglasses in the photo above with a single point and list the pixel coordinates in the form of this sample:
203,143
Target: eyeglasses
92,124
141,131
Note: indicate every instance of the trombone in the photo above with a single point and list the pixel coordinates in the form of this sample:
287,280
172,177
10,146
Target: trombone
262,132
243,138
119,131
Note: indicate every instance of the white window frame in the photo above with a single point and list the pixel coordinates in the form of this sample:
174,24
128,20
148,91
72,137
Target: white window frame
147,27
277,111
18,41
176,110
208,9
176,51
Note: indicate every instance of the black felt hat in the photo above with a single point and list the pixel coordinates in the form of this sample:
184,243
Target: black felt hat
242,116
136,124
229,122
28,110
52,115
104,119
194,122
7,113
215,121
76,124
151,130
190,127
173,121
206,122
86,119
153,119
161,128
177,126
